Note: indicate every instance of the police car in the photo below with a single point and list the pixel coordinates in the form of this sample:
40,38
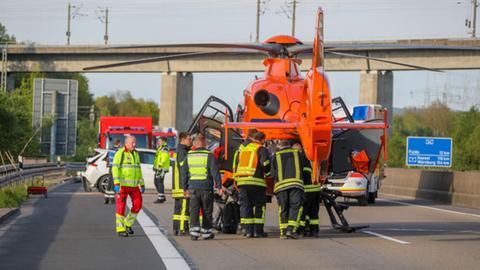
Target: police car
96,173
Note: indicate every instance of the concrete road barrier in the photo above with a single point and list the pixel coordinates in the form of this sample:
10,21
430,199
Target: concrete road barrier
451,187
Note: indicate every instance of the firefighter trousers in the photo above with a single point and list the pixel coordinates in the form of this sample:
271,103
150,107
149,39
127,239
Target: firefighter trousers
121,200
109,193
252,201
201,199
159,184
289,208
180,215
311,206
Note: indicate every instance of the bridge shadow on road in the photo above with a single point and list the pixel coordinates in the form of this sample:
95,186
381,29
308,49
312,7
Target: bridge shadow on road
25,239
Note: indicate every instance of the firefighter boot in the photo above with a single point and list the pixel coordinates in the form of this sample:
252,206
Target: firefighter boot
129,230
259,233
291,234
123,234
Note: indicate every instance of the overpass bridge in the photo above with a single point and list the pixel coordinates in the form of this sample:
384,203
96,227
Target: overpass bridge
376,79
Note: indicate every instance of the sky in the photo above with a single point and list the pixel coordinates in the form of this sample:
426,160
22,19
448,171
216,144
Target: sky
190,21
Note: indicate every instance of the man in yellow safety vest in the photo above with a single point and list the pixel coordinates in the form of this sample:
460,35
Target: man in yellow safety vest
128,181
252,165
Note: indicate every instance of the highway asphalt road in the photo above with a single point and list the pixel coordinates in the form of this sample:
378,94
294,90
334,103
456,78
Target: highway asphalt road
73,229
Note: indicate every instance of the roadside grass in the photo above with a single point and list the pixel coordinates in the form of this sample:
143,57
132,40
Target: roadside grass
14,195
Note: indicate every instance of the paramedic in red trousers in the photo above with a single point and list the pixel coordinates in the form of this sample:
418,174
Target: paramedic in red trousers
252,165
199,176
128,180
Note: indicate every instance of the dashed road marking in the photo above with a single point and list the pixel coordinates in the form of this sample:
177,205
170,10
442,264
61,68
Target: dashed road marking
387,237
431,208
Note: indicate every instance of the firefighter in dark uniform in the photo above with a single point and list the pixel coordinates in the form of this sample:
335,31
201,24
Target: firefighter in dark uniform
180,211
200,175
287,175
251,167
309,225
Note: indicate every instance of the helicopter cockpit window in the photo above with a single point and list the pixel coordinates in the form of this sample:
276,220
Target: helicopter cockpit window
212,138
215,111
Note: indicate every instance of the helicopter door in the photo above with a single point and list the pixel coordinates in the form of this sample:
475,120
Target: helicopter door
214,108
346,141
209,121
340,111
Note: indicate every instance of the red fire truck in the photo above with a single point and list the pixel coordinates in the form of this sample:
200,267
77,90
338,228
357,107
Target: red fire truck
117,127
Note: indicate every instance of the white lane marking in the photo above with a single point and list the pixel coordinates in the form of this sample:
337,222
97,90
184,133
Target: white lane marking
409,230
387,237
169,254
431,208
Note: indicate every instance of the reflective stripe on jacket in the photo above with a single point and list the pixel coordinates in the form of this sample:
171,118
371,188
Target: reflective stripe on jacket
288,174
198,165
177,190
126,170
179,160
250,170
200,171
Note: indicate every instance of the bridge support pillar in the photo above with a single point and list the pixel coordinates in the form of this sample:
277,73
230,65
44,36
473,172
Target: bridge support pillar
376,87
176,104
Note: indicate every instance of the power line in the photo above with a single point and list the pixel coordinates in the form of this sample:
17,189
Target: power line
71,15
260,12
289,9
102,15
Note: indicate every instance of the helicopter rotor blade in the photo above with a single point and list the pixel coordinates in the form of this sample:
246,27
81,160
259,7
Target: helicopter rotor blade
164,58
348,48
269,48
382,60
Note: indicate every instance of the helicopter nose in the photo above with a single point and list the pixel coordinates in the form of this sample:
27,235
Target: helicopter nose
267,102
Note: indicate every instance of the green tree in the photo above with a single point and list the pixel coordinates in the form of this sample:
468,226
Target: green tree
86,140
124,104
465,131
4,37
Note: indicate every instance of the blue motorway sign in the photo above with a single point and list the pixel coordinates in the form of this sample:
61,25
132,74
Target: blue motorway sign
429,152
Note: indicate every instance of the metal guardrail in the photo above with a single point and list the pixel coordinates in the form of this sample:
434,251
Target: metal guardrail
6,169
28,171
79,166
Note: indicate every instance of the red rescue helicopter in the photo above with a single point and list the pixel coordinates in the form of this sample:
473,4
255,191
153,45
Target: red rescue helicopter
284,105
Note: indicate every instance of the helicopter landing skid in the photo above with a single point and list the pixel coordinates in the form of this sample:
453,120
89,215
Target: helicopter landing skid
328,197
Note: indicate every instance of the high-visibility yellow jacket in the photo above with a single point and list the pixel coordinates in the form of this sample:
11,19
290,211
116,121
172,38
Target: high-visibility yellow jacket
126,169
252,165
162,158
200,170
